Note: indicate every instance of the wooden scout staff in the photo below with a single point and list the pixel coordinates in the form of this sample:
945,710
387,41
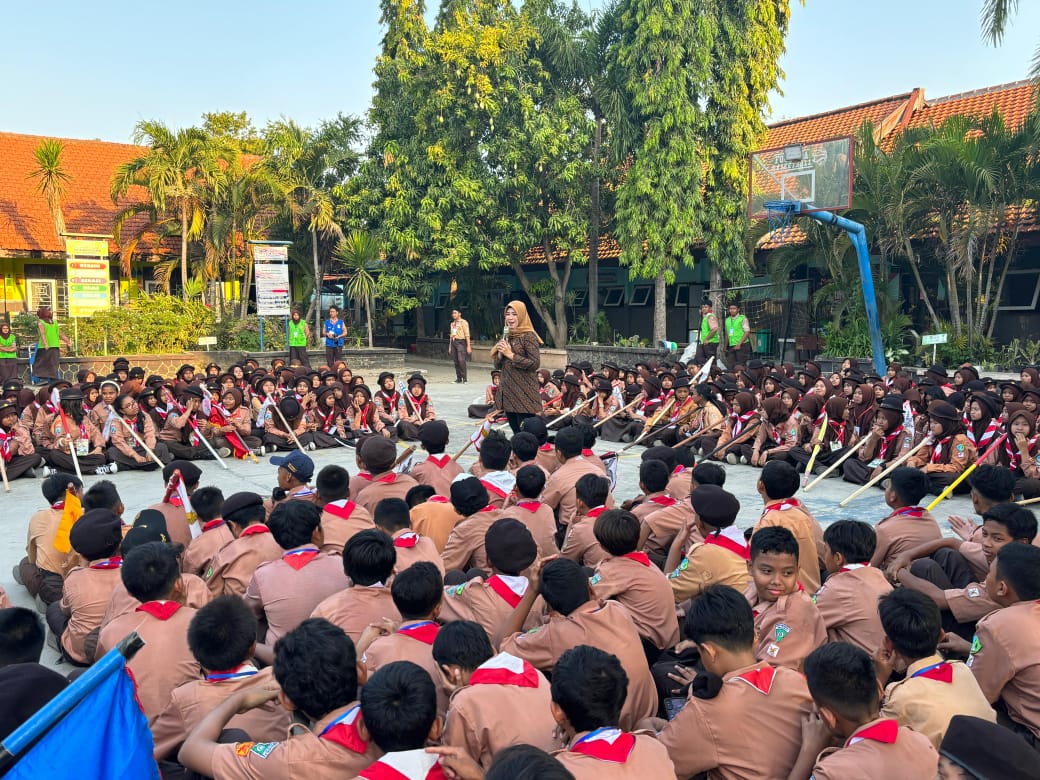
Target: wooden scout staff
845,456
739,440
815,450
140,441
964,474
697,435
577,408
649,427
616,412
68,433
894,465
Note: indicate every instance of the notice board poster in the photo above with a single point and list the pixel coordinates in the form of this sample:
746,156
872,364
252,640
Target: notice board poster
87,269
271,272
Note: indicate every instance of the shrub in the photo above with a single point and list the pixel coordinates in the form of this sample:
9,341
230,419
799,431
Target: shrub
243,334
150,324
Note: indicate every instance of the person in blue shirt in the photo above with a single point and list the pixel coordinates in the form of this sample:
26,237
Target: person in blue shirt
334,331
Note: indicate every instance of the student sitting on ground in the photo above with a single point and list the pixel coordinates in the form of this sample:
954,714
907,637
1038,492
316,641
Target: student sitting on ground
233,566
591,492
44,567
208,503
438,470
393,517
496,700
529,509
934,690
777,485
341,518
909,525
316,670
843,683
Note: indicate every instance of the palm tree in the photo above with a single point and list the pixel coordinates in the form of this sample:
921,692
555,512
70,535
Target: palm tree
178,171
51,180
302,166
995,17
358,251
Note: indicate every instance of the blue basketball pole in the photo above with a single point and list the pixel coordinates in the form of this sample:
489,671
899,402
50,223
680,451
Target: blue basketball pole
858,236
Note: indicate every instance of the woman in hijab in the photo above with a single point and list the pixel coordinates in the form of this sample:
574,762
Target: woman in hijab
835,438
741,416
862,409
1020,450
951,451
516,355
889,441
777,435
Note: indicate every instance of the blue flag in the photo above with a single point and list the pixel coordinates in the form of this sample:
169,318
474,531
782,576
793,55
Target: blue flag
103,736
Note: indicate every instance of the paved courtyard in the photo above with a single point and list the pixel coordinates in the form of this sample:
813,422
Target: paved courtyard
139,490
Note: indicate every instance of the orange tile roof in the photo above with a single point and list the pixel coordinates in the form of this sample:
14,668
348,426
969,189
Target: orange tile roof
839,122
1014,100
25,220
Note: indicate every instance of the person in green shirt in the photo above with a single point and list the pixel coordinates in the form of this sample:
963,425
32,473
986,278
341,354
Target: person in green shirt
8,353
710,335
299,336
48,350
738,337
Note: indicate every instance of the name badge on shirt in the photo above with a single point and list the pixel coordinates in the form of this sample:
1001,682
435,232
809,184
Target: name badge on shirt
835,446
874,463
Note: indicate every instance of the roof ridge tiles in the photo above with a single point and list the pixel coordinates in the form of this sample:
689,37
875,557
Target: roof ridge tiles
981,91
842,110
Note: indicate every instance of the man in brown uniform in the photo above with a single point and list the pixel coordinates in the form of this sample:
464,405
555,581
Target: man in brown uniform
286,590
1005,653
489,601
368,561
438,470
379,454
842,681
208,502
331,749
575,618
909,525
232,568
752,727
629,577
777,485
294,473
580,543
848,600
496,701
43,568
559,489
152,575
221,636
393,518
465,546
529,509
434,517
341,518
459,345
96,537
721,559
172,507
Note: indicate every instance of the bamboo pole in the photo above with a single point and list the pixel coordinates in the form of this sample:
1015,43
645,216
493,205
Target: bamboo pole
845,456
892,467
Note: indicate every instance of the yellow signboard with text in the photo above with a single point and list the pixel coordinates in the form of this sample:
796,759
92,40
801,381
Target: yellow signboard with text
88,274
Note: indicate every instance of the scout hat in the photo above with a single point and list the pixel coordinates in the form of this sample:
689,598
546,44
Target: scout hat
296,463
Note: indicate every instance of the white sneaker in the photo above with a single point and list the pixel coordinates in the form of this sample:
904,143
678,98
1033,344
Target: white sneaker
731,459
260,451
311,447
744,460
271,448
108,468
224,452
46,471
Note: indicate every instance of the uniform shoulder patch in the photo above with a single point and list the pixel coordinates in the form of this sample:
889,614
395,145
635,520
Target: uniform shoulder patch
595,579
976,645
263,749
242,748
781,631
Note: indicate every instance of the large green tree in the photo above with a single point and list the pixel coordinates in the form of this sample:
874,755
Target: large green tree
52,180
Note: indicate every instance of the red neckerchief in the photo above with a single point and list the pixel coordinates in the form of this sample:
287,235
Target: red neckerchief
424,632
258,528
407,540
343,731
243,670
942,672
301,557
596,511
937,450
488,508
648,405
493,488
987,435
343,511
729,544
638,557
909,511
679,470
505,669
885,732
107,563
887,440
163,610
545,448
664,501
838,429
59,505
212,524
776,434
781,506
439,500
503,589
760,679
175,500
384,769
440,461
365,476
738,421
587,453
606,744
388,479
5,445
1013,455
361,419
852,567
330,420
530,506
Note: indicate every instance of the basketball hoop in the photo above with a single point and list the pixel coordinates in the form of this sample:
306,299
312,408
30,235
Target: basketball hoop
780,214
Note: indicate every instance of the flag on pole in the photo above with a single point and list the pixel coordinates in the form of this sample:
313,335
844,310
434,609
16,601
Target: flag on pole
110,424
70,513
405,466
93,730
610,460
480,434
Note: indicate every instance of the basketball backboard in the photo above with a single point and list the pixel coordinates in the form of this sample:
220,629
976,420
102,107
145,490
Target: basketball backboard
818,175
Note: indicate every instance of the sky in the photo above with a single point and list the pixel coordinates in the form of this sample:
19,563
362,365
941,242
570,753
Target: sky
93,70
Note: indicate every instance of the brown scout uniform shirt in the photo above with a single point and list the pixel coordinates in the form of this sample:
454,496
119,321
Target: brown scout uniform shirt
286,595
302,754
176,522
644,590
163,663
506,703
413,548
903,530
970,603
232,568
580,543
193,701
791,514
437,471
648,759
84,599
905,754
540,521
931,694
652,503
215,537
707,564
465,546
39,544
559,490
788,629
488,602
546,458
1005,659
606,625
753,728
405,645
355,608
848,603
196,596
388,485
665,525
340,520
435,519
680,484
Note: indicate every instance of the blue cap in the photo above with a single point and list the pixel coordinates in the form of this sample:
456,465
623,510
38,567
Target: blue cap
296,463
